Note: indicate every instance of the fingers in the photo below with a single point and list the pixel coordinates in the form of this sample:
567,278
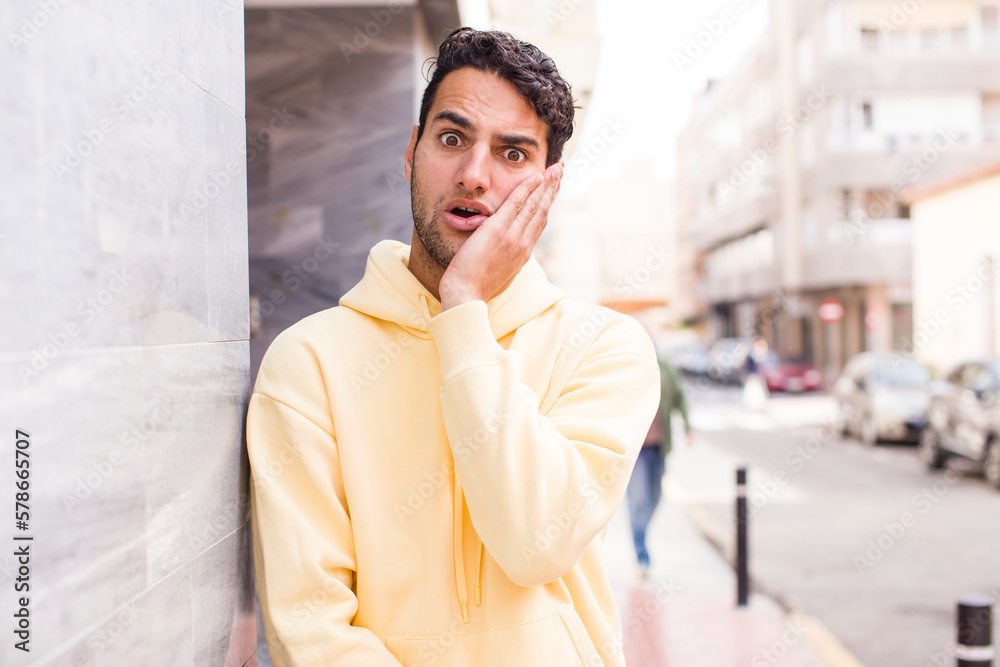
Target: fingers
533,214
519,196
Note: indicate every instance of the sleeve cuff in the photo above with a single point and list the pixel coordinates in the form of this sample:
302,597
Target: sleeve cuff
464,338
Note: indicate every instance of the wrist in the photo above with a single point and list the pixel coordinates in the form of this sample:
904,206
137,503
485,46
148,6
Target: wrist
452,296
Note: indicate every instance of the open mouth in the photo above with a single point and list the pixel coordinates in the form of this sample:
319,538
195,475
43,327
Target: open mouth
466,215
463,212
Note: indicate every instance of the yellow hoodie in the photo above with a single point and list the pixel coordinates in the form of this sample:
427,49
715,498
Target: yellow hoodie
433,489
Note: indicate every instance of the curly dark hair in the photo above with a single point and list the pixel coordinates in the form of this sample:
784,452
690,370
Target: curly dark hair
530,71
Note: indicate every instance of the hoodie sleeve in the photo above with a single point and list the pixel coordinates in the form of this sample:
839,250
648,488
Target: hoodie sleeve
541,487
304,554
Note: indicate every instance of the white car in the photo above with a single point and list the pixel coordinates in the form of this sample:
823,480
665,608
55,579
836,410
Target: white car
884,396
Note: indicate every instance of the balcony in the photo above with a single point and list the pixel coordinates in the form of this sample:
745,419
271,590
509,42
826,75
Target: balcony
854,166
902,70
861,252
879,232
751,207
911,42
738,285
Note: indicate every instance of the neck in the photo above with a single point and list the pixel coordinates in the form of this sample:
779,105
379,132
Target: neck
425,269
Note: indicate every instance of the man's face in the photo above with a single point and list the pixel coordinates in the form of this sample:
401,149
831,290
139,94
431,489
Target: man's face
481,139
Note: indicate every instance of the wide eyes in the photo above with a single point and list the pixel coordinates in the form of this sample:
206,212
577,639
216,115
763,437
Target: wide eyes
454,140
515,155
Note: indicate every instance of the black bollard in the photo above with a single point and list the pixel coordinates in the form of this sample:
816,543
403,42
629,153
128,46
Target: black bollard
742,576
975,632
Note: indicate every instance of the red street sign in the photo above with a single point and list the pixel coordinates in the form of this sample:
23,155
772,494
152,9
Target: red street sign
831,311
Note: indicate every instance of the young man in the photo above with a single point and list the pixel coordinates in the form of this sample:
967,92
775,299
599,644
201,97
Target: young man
434,461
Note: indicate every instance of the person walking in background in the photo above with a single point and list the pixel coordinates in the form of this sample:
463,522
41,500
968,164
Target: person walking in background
646,484
755,392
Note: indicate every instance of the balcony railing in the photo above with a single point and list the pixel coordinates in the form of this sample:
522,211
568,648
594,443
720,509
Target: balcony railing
870,232
928,41
881,142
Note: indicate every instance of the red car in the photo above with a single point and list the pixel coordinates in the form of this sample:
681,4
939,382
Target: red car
789,374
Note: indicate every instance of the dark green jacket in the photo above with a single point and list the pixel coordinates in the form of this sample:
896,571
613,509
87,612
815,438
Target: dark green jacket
671,398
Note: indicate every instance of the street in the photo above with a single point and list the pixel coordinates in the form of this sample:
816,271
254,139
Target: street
865,540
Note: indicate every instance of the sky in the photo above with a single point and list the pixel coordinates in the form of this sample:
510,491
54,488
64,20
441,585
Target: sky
651,66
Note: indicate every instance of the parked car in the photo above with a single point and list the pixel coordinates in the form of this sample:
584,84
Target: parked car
965,418
884,396
691,358
784,372
728,359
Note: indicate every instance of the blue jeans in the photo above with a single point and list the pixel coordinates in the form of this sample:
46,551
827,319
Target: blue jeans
644,490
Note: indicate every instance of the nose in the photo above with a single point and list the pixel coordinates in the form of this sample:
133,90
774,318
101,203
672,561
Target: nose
474,173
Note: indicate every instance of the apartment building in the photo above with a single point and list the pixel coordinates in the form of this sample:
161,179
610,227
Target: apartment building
790,173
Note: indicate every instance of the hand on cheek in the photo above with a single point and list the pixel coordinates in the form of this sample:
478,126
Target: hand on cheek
497,250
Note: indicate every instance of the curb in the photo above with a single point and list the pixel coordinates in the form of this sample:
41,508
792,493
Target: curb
816,635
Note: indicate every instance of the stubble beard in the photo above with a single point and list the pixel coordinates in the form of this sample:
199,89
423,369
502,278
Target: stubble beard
429,230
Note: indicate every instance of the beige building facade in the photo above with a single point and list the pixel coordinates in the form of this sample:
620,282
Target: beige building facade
792,169
956,286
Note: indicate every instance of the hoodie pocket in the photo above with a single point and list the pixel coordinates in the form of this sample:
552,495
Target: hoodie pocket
558,640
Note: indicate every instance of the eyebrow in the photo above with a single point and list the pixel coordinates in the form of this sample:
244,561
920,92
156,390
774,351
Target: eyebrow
453,117
466,124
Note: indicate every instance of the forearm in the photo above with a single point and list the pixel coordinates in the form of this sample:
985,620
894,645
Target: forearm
539,487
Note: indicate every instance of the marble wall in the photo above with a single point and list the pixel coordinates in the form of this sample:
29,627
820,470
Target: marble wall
124,330
330,102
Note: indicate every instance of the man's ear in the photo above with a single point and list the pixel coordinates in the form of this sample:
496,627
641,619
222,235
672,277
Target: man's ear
408,155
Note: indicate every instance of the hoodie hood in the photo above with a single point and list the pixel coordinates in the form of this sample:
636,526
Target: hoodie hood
388,291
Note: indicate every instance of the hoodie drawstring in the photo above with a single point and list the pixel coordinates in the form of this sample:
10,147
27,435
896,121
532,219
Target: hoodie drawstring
460,583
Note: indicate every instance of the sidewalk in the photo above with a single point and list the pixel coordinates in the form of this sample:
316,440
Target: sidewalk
685,614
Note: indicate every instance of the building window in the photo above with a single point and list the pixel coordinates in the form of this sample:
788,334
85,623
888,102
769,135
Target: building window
900,41
930,39
991,116
866,111
870,39
959,39
990,18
